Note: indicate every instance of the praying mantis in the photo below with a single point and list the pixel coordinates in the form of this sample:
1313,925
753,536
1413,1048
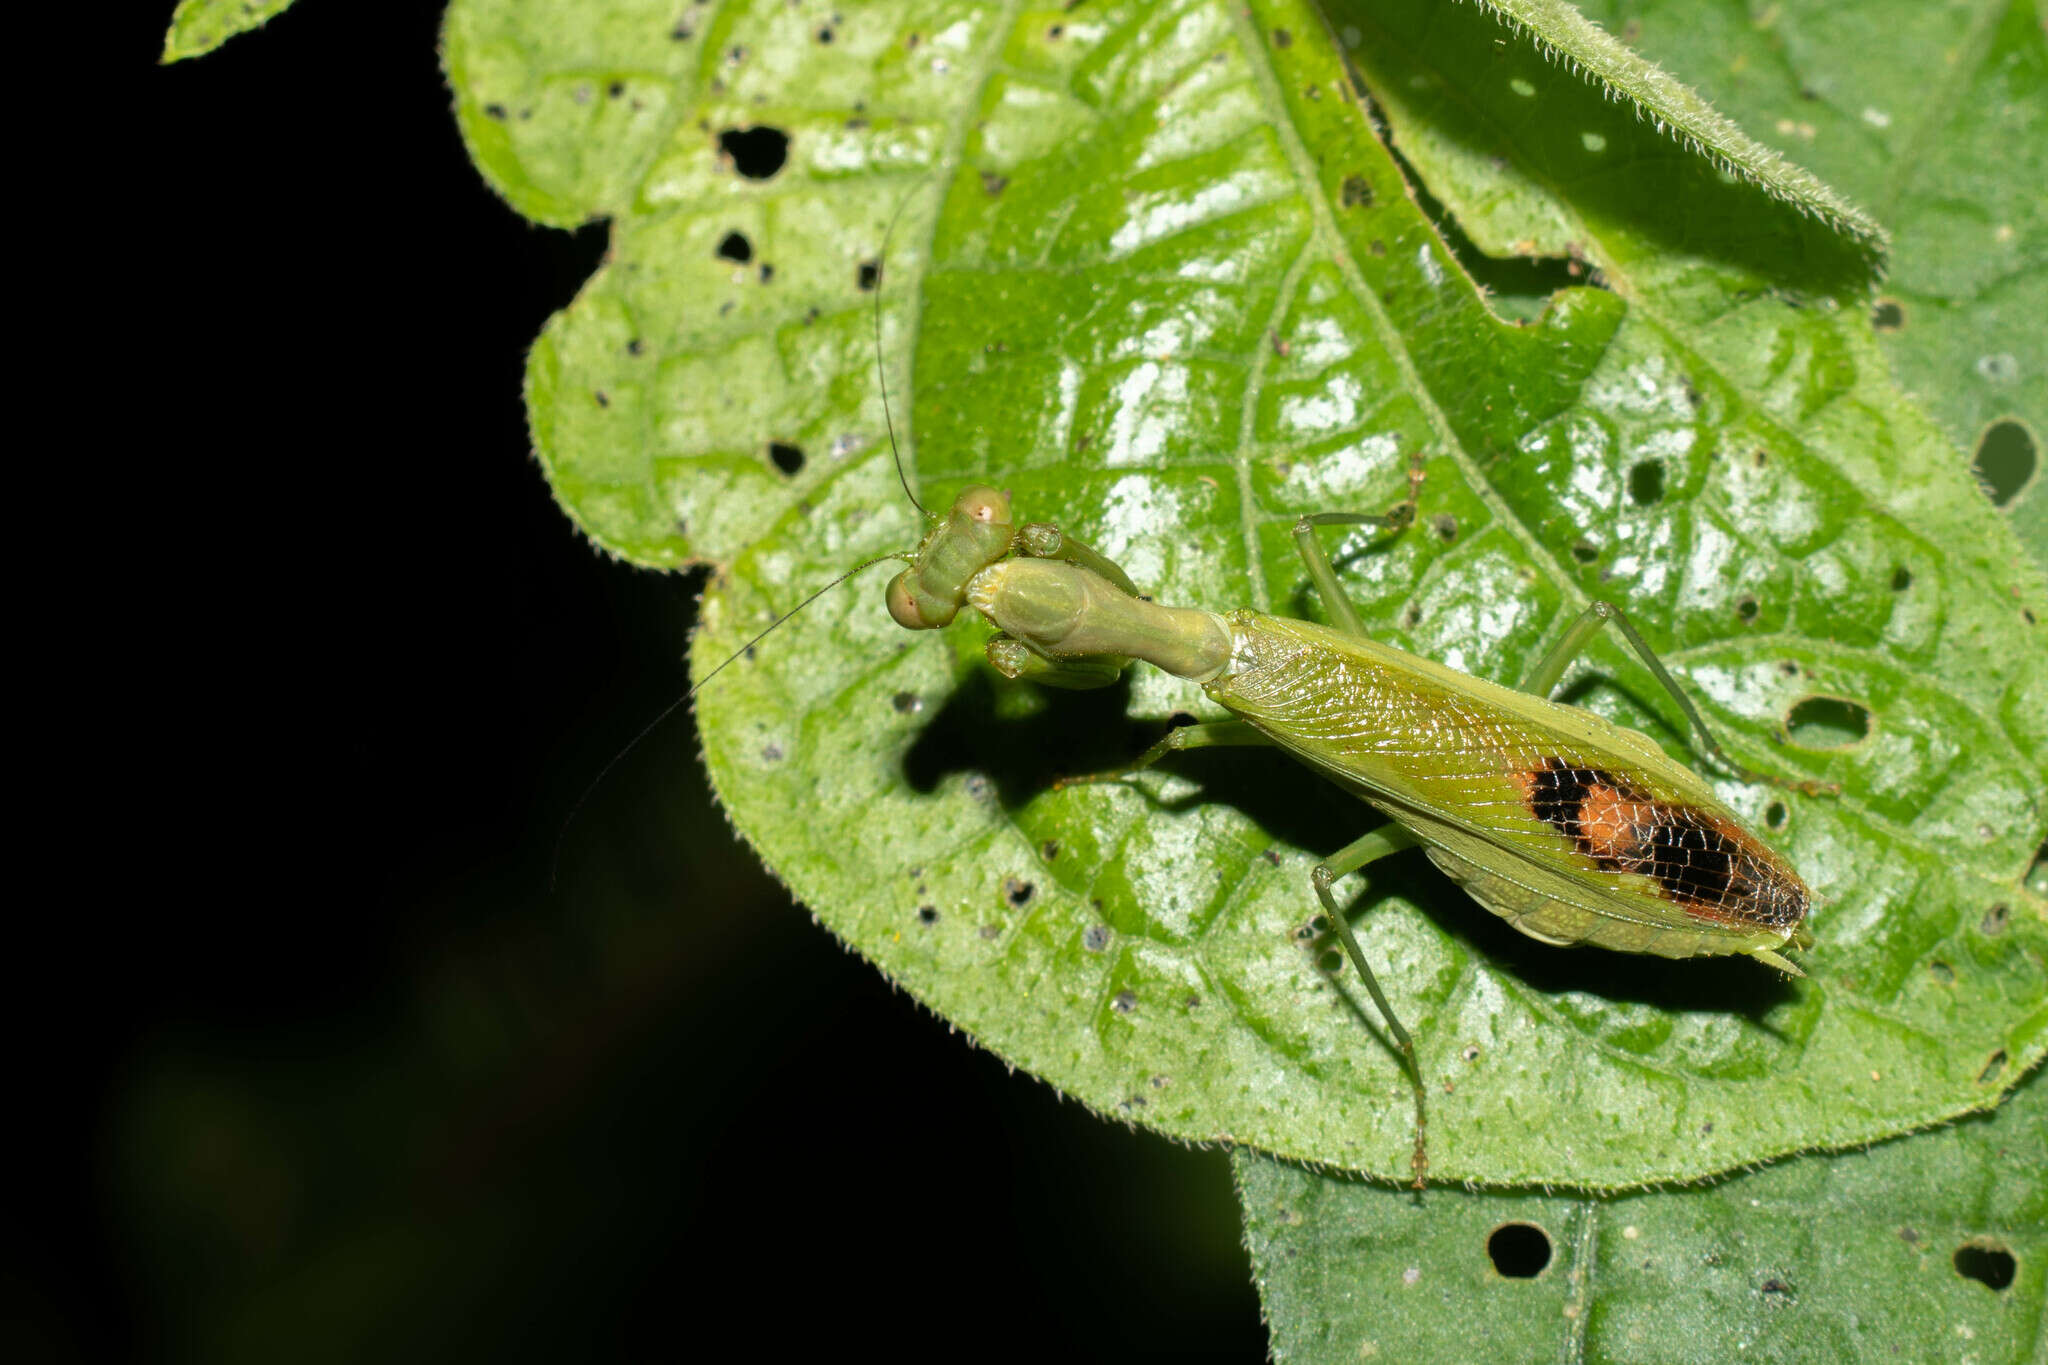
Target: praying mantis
1569,827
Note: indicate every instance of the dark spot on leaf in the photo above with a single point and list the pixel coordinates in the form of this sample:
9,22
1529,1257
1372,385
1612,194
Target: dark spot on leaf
1330,962
634,346
991,931
1446,527
1646,483
1471,1052
1095,937
1357,193
767,272
1910,1236
788,458
1017,892
1775,813
736,54
1282,38
825,34
1585,551
1272,855
1774,1285
1746,608
604,400
2005,460
1941,972
496,111
735,247
869,275
1788,668
1987,1262
772,752
615,89
1378,247
1518,1251
993,184
682,32
1762,457
756,153
927,914
1126,1001
1161,1082
1993,923
1049,850
1888,316
908,703
1055,32
1828,723
1902,578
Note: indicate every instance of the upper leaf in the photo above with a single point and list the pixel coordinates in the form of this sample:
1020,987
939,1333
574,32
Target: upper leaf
1155,273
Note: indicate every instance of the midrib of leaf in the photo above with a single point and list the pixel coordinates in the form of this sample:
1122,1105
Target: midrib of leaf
1390,337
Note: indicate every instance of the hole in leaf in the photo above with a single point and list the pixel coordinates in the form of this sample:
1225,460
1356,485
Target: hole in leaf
1519,1250
1888,316
1993,1066
735,247
1902,578
927,914
1018,892
1828,723
1775,813
1585,552
1746,609
1646,483
788,458
1329,963
907,703
1987,1262
1993,923
870,275
2005,460
757,153
1941,971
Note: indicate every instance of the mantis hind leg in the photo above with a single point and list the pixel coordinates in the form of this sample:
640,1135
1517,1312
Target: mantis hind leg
1550,670
1370,848
1342,614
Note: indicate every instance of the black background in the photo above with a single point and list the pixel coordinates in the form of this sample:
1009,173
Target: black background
323,1067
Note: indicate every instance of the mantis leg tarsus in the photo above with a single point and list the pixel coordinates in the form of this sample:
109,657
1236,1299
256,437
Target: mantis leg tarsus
1396,518
1369,848
1550,670
1207,735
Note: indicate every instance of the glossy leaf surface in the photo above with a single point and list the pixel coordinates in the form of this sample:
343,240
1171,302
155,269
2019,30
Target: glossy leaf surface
1155,273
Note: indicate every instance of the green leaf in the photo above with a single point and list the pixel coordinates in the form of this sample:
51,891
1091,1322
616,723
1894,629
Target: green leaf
1936,118
1932,1247
200,26
1154,272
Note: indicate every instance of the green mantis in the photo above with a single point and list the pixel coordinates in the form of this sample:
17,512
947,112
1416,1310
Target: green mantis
1571,828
